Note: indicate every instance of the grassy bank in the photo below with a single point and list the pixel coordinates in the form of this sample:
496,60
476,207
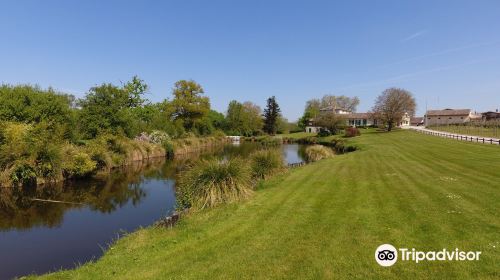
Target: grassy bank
185,146
326,219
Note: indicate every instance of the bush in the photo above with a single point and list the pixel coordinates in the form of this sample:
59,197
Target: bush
352,132
318,152
212,182
324,133
266,163
77,163
341,147
158,137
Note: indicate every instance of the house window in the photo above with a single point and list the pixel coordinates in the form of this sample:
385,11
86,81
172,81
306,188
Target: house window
439,118
450,118
462,118
364,122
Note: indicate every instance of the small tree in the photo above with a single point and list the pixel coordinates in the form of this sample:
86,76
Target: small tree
189,104
392,104
271,115
331,121
135,88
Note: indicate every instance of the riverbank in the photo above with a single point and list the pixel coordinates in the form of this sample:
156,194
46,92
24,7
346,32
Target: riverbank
325,220
185,146
93,157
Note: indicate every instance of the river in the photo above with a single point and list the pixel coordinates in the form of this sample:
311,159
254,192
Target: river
39,235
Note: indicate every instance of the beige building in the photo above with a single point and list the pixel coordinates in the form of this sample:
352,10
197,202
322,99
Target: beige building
449,116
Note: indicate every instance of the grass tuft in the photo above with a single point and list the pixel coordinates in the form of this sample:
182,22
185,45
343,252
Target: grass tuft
266,163
318,152
212,182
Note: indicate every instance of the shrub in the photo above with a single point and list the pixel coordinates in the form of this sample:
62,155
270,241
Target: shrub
324,133
341,147
318,152
23,172
266,163
158,137
352,132
212,182
77,163
98,152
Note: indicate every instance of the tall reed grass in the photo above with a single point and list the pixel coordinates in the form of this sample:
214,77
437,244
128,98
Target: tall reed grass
266,163
212,182
318,152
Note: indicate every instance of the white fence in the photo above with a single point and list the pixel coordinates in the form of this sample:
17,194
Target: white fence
476,139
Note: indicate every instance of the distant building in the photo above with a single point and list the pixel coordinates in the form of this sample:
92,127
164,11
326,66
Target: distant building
491,116
360,119
353,119
340,111
417,121
450,116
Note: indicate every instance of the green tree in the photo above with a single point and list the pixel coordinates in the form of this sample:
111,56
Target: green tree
136,89
243,118
31,104
189,104
271,115
283,125
113,109
216,119
331,121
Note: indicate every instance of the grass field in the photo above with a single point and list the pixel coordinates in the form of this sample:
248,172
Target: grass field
325,220
470,130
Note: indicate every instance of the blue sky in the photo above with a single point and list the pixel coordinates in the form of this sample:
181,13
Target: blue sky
446,52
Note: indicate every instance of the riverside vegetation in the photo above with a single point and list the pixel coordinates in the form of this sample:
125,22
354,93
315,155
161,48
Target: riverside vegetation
48,136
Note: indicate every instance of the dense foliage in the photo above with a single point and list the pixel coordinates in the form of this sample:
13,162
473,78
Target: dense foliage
243,119
46,135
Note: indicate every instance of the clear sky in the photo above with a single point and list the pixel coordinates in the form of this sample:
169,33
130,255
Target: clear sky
446,52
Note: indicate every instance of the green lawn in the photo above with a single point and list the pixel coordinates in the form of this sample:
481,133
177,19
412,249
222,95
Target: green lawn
326,219
470,130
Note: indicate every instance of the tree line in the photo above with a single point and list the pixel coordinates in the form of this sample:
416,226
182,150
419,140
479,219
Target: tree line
124,110
52,135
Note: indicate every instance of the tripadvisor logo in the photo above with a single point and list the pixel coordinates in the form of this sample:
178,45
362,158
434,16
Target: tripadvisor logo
387,255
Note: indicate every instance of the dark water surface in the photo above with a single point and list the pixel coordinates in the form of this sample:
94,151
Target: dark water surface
39,236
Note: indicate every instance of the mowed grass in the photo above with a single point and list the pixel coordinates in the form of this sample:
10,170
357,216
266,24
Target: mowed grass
493,132
325,220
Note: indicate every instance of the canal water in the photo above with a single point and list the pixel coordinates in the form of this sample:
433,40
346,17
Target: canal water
38,235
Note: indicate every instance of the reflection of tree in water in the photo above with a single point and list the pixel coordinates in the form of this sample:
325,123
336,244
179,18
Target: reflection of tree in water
104,194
